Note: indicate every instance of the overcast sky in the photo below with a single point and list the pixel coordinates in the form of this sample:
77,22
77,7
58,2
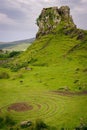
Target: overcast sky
18,17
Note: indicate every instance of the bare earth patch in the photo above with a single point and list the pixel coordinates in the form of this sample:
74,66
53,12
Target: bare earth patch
20,107
68,93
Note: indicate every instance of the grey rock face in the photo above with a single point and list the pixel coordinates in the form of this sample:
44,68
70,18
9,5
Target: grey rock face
51,17
64,11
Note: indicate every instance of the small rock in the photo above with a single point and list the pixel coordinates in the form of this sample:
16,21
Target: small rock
25,124
26,68
77,69
21,81
80,36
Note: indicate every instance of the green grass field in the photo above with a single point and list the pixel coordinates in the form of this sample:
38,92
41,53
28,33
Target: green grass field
48,82
37,90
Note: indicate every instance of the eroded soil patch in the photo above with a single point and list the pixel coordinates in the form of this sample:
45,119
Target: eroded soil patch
68,93
20,107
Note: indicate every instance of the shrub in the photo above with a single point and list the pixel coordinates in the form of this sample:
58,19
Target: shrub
40,125
14,53
6,122
4,75
1,119
81,128
1,122
4,55
18,66
9,121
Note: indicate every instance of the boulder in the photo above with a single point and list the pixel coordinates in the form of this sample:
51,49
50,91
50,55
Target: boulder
25,124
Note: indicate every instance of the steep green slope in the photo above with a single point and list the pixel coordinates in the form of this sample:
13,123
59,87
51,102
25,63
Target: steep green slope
61,51
60,58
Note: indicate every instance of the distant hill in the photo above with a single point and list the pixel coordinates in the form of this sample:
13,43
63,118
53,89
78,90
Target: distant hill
17,47
2,43
14,44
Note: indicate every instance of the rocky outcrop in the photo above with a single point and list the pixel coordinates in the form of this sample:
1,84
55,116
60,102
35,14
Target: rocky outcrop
51,17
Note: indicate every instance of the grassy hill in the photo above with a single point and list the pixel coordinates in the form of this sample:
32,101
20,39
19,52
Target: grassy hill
47,82
63,57
16,45
19,47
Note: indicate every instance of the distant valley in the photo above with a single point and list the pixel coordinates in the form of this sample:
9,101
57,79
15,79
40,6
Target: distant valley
20,45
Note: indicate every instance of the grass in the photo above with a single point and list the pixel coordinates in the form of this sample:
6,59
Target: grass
52,63
36,89
58,64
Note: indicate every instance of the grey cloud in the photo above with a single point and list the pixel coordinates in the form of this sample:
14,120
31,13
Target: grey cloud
13,12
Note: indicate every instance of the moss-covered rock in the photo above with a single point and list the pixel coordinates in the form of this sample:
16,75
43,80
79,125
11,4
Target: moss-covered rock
51,17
